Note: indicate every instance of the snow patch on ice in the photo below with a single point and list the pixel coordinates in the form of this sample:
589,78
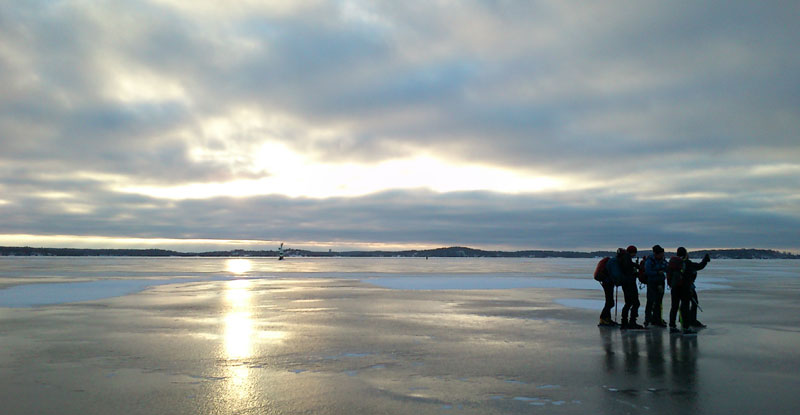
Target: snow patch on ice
549,387
525,399
33,295
480,282
582,303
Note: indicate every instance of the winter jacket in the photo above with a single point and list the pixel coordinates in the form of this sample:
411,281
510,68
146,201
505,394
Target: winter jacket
684,270
621,269
654,269
690,268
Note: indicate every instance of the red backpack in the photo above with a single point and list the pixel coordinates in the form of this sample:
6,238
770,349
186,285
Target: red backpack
642,275
675,271
600,273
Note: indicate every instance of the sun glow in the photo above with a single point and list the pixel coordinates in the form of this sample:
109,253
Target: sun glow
295,175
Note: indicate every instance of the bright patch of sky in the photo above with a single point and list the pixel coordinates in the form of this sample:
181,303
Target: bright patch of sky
295,175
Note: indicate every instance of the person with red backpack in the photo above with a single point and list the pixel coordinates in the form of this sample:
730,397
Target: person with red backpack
654,269
602,275
617,271
681,275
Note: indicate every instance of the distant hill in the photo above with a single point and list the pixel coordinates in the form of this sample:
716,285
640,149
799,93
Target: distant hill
450,252
745,254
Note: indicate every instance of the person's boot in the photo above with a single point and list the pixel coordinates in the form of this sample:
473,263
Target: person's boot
606,322
624,324
633,326
673,328
698,325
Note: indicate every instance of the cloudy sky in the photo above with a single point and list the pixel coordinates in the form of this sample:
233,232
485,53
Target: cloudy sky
391,124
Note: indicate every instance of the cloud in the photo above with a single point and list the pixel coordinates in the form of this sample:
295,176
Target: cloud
646,112
572,220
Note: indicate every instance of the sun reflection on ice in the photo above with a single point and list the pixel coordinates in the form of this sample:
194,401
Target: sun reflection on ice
238,266
238,334
242,332
238,320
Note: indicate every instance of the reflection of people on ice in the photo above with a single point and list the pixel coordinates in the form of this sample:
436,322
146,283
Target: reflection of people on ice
682,273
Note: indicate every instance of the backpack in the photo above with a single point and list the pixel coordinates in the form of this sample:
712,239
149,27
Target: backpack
600,272
614,270
675,272
642,275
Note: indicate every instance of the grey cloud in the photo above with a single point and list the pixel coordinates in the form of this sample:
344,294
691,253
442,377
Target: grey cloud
325,70
662,99
478,219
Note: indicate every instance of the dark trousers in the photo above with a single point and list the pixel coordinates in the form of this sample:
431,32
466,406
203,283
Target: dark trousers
693,306
608,289
681,297
655,296
631,301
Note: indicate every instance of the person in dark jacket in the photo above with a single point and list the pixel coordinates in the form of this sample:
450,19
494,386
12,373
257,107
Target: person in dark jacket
611,277
629,289
683,273
655,267
608,290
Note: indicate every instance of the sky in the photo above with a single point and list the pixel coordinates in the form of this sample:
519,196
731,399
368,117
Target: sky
198,125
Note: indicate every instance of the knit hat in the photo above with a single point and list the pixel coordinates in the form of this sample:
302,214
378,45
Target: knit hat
632,250
657,249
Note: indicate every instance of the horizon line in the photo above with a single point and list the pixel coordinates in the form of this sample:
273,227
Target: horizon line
331,251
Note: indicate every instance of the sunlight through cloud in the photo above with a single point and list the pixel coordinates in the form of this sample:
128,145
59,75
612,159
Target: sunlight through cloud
294,175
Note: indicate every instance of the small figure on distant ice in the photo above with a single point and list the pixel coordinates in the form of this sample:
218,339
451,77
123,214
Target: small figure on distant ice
280,252
682,273
655,267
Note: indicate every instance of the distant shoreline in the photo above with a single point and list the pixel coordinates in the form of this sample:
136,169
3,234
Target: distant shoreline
449,252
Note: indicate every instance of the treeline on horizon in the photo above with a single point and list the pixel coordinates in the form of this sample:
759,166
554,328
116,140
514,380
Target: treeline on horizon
449,252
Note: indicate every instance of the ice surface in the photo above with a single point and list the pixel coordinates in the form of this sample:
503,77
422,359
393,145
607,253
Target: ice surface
461,274
31,295
492,282
583,303
480,282
200,348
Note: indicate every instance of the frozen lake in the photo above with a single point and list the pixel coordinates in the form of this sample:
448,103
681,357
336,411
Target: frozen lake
37,281
396,335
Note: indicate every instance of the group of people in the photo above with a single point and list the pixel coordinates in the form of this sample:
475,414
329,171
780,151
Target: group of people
679,273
